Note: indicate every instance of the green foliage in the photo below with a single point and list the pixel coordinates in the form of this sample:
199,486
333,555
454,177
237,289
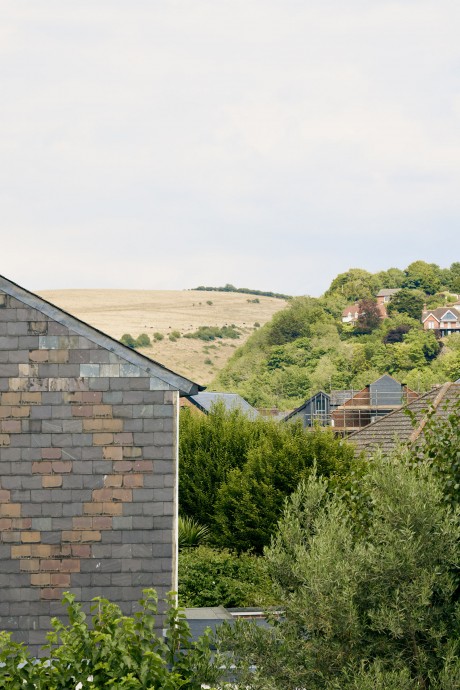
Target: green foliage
366,608
158,336
213,332
128,340
440,446
115,651
426,277
306,347
143,340
354,285
250,502
218,577
236,472
408,302
231,288
191,533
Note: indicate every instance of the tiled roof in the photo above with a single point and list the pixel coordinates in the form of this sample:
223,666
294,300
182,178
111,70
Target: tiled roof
440,311
387,292
231,401
351,309
397,427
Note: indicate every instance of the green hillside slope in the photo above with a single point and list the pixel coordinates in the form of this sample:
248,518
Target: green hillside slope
306,347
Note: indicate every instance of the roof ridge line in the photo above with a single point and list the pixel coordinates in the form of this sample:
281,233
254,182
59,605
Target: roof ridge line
443,390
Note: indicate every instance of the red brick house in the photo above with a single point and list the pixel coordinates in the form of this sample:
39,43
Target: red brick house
446,320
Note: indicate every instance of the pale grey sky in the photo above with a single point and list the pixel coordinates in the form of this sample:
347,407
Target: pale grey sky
163,144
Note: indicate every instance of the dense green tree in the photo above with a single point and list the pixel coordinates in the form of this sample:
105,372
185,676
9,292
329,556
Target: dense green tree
423,276
391,278
367,602
250,501
296,320
454,278
407,301
354,284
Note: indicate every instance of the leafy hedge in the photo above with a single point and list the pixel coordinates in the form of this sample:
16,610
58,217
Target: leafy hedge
115,651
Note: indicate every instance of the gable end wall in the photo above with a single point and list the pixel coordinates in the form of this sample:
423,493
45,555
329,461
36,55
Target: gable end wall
88,474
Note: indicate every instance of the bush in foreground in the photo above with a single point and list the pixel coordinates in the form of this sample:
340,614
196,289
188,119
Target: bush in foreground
115,651
368,606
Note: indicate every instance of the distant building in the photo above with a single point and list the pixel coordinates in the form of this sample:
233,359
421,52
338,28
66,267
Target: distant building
444,320
369,404
350,314
398,427
204,402
315,410
348,410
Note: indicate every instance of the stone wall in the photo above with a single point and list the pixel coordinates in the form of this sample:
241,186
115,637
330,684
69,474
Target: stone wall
88,458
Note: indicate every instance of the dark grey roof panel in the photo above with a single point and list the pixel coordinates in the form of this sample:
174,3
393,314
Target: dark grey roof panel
231,401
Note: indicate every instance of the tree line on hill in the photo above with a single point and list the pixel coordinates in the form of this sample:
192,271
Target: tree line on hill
306,347
228,287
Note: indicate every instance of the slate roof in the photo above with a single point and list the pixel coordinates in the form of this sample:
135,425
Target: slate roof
439,312
387,292
199,619
301,407
397,426
231,401
152,368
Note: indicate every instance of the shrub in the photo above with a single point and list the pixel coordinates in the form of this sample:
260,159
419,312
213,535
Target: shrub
115,651
209,301
158,336
191,533
373,607
143,340
213,332
218,577
128,340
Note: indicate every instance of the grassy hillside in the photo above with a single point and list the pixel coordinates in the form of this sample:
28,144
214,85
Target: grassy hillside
305,347
117,312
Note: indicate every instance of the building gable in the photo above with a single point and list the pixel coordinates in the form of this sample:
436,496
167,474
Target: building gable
88,466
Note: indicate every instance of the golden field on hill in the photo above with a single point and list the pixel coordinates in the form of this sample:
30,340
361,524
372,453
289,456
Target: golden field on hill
148,311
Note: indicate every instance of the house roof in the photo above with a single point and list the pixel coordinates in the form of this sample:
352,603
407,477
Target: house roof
351,309
397,427
231,401
387,292
152,369
440,312
298,409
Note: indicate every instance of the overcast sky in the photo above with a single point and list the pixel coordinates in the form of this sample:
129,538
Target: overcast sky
164,144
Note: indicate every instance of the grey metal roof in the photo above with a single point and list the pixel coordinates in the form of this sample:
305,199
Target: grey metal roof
387,292
301,407
397,427
199,619
231,401
152,369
